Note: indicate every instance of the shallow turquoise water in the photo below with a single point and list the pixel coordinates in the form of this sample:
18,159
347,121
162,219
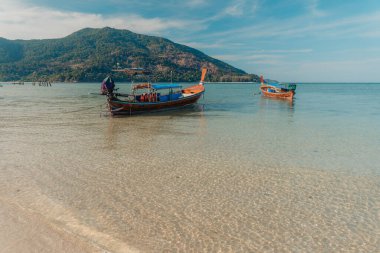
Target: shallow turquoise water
235,173
326,127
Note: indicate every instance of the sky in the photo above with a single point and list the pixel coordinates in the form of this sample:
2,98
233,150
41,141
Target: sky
286,40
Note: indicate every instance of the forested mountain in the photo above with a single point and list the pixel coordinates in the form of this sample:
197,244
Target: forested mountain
91,54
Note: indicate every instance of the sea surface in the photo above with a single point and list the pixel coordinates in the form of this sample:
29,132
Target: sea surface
236,172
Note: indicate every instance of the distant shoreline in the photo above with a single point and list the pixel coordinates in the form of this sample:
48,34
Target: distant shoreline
30,82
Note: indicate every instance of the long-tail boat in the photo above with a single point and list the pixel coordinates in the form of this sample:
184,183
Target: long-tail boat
151,97
276,89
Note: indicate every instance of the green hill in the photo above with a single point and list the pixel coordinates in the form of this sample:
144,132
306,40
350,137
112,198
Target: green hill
91,54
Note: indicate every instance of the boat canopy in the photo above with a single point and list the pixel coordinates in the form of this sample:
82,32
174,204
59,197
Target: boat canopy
274,84
287,86
165,86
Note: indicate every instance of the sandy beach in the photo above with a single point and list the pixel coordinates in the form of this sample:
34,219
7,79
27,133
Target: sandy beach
26,231
262,210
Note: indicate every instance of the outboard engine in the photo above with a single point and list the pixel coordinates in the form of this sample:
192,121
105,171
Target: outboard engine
108,85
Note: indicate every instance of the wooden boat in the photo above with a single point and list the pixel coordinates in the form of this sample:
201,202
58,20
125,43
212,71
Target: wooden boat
151,97
275,89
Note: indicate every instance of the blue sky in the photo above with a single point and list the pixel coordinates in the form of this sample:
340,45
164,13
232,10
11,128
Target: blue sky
287,40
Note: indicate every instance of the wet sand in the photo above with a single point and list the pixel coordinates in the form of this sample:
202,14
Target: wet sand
26,231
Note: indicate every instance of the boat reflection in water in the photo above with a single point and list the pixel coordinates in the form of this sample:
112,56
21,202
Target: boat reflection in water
134,132
277,108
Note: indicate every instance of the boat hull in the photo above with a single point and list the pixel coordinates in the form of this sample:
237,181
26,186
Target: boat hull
281,95
120,107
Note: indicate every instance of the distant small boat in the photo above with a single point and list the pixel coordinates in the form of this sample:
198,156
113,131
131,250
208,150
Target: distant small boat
151,97
274,89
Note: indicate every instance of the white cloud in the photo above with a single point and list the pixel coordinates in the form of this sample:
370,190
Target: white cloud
263,56
254,7
196,3
237,9
21,21
314,10
247,57
360,25
283,51
204,45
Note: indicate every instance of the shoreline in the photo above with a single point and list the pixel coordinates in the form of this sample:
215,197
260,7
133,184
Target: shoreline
26,230
23,230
